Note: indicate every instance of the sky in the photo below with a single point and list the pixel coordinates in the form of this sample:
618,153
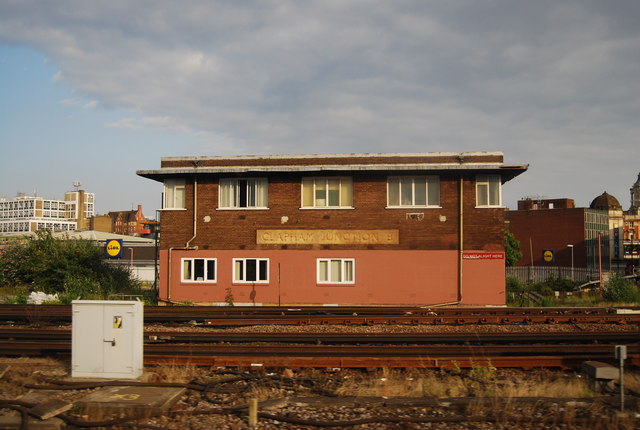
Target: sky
92,91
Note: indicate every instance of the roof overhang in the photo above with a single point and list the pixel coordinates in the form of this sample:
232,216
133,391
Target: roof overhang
255,165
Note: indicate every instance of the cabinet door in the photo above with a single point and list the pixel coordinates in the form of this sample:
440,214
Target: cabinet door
87,338
118,331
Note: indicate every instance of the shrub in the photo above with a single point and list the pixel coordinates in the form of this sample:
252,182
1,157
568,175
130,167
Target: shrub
560,284
619,289
514,284
553,284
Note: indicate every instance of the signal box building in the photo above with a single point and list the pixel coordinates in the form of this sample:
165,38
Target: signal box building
334,229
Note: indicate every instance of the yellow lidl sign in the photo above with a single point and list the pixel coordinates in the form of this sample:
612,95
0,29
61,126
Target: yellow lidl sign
114,248
547,255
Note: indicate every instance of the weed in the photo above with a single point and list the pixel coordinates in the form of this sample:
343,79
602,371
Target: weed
483,373
229,299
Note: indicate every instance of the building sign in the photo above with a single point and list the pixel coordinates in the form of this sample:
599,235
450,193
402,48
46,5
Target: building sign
483,255
548,256
114,248
616,243
328,237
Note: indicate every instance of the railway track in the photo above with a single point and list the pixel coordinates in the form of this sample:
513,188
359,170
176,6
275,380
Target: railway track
513,349
510,338
520,347
324,315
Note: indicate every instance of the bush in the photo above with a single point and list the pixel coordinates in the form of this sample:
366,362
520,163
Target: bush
619,289
554,284
71,268
514,284
560,284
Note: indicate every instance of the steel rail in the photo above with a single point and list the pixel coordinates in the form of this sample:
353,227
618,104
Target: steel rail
353,356
365,315
624,337
415,320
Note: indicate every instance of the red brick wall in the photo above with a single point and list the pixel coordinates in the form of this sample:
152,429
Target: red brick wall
366,159
236,229
550,229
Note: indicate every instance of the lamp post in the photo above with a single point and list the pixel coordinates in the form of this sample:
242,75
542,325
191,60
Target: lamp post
600,260
571,246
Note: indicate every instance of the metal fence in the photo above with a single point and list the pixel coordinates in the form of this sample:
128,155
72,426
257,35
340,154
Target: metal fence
529,274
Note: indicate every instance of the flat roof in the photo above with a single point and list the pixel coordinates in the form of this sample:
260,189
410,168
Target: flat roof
241,164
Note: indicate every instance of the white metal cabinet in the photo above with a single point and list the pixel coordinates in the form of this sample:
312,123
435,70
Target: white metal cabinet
107,339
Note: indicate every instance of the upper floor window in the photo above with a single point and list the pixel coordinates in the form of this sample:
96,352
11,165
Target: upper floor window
175,194
199,269
336,271
327,192
249,270
410,191
488,191
243,193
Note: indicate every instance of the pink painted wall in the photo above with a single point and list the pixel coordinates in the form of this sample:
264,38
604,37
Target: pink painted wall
409,277
484,282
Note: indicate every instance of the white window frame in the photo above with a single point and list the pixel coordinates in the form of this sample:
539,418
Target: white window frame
240,273
431,185
206,279
175,194
488,191
232,191
310,188
326,267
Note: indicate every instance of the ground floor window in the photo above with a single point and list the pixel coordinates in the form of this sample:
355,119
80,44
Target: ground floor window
251,270
199,269
336,271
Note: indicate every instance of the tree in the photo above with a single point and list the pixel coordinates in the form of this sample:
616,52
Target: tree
511,249
71,268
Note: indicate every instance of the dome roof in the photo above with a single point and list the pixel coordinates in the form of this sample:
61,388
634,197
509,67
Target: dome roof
605,202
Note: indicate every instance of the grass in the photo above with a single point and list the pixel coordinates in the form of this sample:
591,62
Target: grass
488,391
480,381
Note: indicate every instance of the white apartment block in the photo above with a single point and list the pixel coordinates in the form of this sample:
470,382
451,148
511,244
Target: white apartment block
25,214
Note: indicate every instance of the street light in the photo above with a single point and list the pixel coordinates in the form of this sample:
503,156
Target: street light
571,246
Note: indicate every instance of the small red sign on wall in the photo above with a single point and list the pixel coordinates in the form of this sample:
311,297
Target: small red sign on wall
483,255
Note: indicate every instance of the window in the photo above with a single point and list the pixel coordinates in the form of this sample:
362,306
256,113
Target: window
410,191
199,269
243,193
488,191
327,192
174,194
336,271
251,270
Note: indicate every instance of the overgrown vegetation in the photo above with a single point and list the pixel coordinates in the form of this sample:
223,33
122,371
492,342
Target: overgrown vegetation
564,292
481,380
71,268
619,289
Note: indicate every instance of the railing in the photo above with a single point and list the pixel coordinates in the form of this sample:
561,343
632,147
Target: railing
536,274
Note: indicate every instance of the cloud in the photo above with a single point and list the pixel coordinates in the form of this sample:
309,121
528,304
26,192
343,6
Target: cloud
69,102
125,123
551,84
90,105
